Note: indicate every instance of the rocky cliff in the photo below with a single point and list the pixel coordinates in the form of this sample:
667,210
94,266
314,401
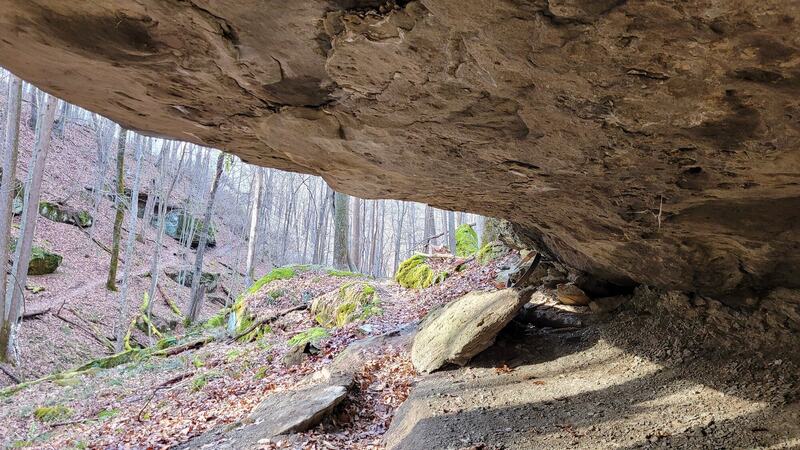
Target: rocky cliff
640,141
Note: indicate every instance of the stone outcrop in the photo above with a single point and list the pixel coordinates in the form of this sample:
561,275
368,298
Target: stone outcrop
185,277
43,262
58,212
458,331
182,226
641,142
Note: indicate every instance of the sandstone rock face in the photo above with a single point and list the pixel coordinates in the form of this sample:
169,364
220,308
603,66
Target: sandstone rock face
651,142
463,328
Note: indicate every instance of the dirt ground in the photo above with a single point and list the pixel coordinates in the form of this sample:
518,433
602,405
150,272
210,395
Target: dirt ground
617,384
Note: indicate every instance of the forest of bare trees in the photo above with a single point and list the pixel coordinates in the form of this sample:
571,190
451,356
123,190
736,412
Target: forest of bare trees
276,218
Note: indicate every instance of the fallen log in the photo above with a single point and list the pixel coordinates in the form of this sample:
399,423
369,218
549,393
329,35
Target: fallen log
35,314
10,374
191,345
103,341
167,384
171,304
267,320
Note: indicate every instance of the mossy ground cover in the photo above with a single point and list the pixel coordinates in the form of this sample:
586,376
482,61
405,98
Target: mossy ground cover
309,336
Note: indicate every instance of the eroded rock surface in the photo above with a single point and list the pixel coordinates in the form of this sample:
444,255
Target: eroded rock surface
651,142
456,332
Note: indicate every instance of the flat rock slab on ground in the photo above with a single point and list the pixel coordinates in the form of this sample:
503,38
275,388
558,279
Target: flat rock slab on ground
280,413
460,330
289,411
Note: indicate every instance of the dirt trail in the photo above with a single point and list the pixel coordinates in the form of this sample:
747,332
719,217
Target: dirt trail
613,385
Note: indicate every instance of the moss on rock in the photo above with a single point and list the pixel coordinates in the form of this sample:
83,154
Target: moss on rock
310,336
466,241
280,273
490,251
415,273
180,225
43,262
353,301
58,212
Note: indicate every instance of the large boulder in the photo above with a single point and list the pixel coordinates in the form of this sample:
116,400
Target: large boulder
180,225
416,272
185,277
43,262
58,212
456,332
350,302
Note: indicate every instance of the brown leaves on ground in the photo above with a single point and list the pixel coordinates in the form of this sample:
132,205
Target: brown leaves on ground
139,405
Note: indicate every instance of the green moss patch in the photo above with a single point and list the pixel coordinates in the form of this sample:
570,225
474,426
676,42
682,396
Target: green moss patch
281,273
312,336
466,241
490,251
415,273
344,273
52,413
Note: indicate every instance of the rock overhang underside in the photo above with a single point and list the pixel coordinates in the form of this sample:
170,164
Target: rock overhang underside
642,142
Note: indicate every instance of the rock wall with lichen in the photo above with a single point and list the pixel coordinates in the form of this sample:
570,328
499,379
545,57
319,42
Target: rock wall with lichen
640,141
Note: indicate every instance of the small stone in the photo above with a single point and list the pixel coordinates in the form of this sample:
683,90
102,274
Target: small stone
569,294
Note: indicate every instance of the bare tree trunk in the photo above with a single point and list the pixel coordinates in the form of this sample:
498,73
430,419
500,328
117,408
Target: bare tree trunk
122,317
251,240
451,231
341,258
62,120
162,215
398,232
7,194
34,117
430,228
319,245
151,193
196,302
356,252
373,254
104,131
30,210
119,204
380,264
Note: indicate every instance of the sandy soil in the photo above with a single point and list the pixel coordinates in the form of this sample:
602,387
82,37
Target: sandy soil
618,384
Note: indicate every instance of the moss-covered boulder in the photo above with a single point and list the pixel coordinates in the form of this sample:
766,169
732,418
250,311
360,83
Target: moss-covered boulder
61,213
185,277
466,241
490,251
43,262
180,225
415,272
351,302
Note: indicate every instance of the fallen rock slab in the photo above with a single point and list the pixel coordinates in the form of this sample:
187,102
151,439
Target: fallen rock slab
569,294
457,332
293,411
